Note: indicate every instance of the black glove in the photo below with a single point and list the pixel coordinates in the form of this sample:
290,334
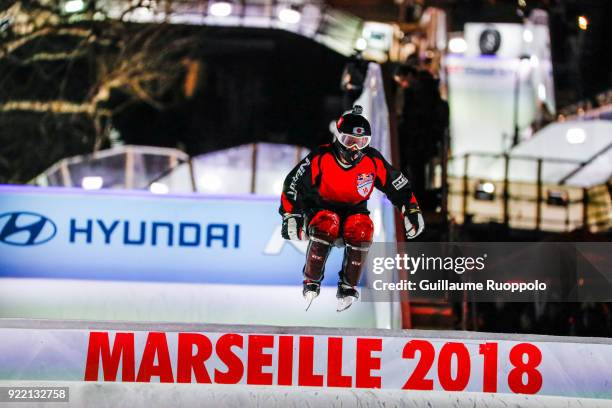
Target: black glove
413,221
293,227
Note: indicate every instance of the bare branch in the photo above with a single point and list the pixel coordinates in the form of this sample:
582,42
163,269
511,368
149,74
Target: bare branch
138,63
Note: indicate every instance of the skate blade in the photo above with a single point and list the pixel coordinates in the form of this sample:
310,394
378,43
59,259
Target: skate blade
345,303
309,297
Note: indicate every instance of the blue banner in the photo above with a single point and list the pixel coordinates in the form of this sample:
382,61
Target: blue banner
138,236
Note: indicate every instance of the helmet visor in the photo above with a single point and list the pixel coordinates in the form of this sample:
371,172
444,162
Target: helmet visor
349,141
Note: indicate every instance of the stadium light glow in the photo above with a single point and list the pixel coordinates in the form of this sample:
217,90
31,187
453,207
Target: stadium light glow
457,45
289,16
158,188
575,136
485,191
92,182
488,187
74,6
527,36
361,44
583,22
221,9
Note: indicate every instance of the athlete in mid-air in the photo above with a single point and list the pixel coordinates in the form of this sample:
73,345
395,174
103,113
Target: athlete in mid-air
325,198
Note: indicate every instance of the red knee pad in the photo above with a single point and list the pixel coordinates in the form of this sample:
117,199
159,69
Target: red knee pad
358,229
325,225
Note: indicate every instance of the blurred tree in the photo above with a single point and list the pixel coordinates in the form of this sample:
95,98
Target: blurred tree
68,66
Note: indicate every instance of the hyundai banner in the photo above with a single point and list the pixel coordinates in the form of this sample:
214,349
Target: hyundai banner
136,255
136,236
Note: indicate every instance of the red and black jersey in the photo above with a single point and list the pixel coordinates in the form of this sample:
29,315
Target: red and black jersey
320,181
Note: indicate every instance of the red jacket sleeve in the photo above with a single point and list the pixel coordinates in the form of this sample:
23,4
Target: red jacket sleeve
299,185
393,183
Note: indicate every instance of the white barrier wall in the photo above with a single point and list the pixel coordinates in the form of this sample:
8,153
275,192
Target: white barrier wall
306,357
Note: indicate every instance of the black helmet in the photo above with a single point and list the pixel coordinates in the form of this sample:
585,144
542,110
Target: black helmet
353,134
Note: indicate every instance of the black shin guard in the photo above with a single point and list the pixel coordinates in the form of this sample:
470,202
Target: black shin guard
354,257
316,256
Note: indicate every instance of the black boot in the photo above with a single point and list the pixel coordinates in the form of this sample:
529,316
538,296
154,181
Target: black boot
349,276
310,291
345,290
346,295
311,286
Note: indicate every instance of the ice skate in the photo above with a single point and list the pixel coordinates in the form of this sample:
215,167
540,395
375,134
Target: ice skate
310,292
346,295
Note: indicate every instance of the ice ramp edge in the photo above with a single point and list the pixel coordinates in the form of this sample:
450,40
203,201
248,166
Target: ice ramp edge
114,325
131,395
255,361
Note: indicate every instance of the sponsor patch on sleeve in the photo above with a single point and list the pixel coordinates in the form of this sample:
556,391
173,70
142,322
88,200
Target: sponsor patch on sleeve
400,182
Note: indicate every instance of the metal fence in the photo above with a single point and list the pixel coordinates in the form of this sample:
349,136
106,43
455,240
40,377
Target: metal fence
537,204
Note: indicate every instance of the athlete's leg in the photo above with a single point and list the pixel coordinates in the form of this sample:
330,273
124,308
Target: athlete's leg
357,232
323,230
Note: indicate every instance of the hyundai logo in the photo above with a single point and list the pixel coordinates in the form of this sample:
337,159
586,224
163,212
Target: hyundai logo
26,228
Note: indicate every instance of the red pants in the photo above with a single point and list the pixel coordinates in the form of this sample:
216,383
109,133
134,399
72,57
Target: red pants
356,229
324,229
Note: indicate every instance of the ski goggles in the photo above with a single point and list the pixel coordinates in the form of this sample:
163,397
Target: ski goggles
349,141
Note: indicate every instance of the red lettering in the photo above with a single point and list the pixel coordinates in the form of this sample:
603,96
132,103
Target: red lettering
235,368
366,363
306,377
525,370
99,348
417,380
334,364
445,376
285,360
188,361
156,346
489,367
257,359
